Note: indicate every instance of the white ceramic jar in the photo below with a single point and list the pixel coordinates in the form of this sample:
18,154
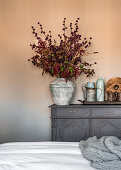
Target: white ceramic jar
62,91
100,94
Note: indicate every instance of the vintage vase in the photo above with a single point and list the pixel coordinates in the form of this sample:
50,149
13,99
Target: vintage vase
62,91
89,91
100,89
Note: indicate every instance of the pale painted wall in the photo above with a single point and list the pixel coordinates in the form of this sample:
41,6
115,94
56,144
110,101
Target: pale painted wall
24,93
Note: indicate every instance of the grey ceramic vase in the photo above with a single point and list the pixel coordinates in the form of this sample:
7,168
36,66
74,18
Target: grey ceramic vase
62,91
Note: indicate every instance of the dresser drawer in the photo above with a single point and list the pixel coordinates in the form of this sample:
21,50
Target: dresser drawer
106,112
78,122
73,112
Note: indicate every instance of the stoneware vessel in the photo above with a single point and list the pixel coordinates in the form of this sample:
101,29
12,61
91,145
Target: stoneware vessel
100,89
62,91
89,91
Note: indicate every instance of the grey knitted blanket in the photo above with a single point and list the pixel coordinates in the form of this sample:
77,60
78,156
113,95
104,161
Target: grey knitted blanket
104,153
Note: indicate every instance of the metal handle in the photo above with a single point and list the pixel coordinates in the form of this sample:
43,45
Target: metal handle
84,91
72,111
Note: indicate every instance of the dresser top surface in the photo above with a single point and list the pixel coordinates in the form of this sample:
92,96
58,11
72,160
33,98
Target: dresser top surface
87,106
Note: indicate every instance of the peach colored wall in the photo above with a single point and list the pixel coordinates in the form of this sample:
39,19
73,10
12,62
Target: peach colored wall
24,93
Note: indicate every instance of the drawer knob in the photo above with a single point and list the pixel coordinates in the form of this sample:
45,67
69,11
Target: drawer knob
72,111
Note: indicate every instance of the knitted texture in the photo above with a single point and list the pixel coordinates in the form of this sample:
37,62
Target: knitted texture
103,153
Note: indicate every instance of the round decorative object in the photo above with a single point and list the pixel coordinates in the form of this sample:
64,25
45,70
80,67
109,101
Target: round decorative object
62,91
113,89
114,85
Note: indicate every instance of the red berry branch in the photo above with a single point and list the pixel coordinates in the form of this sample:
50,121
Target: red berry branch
62,60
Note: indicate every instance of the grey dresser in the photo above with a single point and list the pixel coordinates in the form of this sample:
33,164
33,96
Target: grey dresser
76,122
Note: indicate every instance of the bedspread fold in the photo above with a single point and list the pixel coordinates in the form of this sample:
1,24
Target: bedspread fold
104,153
42,156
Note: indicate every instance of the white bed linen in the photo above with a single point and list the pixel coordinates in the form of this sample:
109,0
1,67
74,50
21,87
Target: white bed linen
42,156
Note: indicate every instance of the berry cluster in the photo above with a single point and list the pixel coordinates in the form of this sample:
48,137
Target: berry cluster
62,60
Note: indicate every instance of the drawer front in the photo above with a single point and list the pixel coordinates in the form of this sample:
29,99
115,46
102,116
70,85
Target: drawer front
106,112
106,127
73,112
72,130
